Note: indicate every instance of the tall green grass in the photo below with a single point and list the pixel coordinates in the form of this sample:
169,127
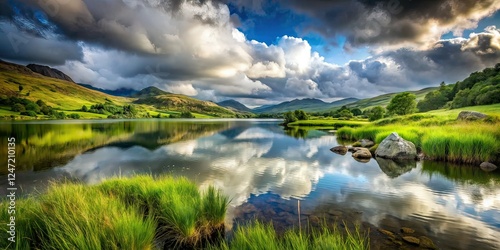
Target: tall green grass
453,141
122,213
262,236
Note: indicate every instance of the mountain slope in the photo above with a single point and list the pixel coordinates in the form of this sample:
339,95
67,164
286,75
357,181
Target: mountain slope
383,100
308,105
126,92
49,72
232,104
57,93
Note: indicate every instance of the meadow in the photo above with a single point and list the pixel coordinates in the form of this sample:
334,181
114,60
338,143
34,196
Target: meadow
439,135
143,212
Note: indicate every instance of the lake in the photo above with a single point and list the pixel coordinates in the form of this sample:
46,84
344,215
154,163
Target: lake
288,177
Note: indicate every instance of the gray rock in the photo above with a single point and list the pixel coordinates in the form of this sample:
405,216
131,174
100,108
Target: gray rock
470,116
362,153
365,143
488,167
341,150
395,147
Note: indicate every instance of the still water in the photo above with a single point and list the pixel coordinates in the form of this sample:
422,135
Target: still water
287,177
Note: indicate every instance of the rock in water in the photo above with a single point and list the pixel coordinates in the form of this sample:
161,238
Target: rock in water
470,116
407,230
488,167
365,143
411,239
395,147
341,150
362,153
425,242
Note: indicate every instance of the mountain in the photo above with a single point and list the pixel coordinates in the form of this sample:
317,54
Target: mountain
232,104
50,72
383,100
307,104
60,94
118,92
176,102
149,92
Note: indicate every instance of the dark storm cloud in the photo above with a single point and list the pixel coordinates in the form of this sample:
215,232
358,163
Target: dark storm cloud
30,48
392,22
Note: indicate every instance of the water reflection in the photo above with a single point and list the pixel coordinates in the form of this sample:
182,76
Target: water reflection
265,170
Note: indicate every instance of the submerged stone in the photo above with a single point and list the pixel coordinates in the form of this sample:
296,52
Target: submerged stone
425,242
488,167
407,230
411,240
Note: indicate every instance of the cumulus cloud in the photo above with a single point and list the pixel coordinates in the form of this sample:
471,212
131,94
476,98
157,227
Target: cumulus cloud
194,47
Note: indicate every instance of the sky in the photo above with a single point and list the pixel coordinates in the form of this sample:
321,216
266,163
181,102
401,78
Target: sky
254,51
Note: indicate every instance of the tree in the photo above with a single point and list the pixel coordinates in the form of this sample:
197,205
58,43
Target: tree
402,104
433,100
376,113
32,106
301,115
21,88
84,108
187,114
356,111
345,113
18,107
289,117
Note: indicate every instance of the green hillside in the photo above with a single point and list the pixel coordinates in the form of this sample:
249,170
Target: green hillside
383,100
21,83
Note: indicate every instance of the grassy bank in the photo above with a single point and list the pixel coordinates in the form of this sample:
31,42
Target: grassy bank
333,123
145,213
135,213
262,236
439,137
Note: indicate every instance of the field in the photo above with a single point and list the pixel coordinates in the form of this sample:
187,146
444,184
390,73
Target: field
438,134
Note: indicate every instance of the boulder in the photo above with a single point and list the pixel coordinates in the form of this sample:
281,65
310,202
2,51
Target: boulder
353,149
470,116
395,147
488,167
341,150
407,230
362,153
365,143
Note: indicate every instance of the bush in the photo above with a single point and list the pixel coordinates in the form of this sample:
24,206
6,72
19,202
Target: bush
29,113
33,106
18,107
74,116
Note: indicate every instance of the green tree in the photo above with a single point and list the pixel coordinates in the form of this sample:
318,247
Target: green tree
345,113
21,88
433,100
376,113
187,114
32,106
301,115
84,108
356,111
18,107
402,104
289,117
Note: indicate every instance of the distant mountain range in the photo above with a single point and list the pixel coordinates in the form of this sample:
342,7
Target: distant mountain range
307,104
232,104
118,92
